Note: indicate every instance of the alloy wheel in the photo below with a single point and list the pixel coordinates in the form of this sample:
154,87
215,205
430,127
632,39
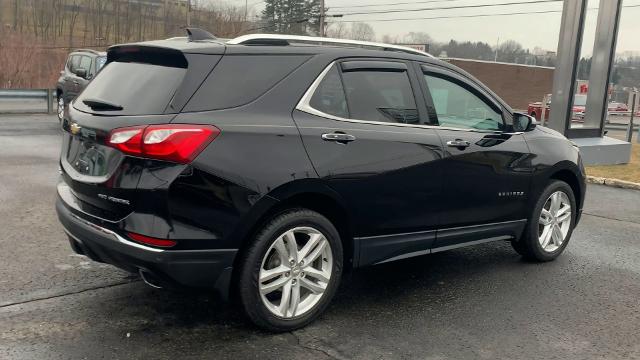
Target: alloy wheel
554,222
60,108
295,272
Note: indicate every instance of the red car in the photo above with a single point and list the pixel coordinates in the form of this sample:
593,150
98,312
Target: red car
577,112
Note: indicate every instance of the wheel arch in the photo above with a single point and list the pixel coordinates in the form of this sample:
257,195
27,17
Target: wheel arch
310,194
572,180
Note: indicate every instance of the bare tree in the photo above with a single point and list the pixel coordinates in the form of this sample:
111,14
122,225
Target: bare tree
362,31
338,30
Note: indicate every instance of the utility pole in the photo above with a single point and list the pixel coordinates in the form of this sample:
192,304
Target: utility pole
188,13
322,16
495,59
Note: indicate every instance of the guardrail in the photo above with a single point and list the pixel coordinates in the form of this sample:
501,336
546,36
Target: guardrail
14,100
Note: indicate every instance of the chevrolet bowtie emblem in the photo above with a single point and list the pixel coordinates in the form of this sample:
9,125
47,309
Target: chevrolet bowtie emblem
75,128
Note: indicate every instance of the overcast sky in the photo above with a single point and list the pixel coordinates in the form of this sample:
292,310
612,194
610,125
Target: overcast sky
531,29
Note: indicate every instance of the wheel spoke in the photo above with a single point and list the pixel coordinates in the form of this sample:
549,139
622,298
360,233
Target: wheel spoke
273,286
546,236
314,239
282,251
545,217
272,273
316,252
311,286
556,235
295,299
285,299
564,217
563,210
292,246
316,274
555,203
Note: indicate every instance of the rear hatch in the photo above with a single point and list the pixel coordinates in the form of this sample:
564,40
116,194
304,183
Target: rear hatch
139,85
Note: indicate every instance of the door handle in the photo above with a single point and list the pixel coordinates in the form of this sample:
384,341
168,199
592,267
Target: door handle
338,137
458,143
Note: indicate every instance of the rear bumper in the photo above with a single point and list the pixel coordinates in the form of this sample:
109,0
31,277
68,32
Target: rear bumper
168,268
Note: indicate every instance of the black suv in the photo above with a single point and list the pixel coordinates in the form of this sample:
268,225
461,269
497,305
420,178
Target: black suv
81,66
264,169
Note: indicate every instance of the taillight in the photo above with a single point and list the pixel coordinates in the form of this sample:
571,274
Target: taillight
147,240
179,143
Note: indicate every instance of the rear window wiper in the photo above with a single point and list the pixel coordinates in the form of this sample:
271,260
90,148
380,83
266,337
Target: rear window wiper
101,105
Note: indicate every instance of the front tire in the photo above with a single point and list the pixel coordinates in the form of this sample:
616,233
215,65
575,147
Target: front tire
291,271
550,224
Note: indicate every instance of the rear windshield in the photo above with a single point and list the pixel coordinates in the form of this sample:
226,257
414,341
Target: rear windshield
140,89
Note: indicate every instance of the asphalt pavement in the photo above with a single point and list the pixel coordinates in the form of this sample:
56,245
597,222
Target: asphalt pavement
474,303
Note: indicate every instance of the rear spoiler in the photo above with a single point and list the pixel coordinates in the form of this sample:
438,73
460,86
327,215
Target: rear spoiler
147,54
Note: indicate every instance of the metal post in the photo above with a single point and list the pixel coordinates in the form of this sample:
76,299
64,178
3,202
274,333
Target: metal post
543,112
49,101
322,15
569,43
633,112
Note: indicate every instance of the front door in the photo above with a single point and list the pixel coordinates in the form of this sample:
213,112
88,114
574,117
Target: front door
485,167
364,134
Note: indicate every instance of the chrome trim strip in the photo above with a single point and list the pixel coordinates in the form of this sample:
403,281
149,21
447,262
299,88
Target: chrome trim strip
471,243
117,237
304,106
322,40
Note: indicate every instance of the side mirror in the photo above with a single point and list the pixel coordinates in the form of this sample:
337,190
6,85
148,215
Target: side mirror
523,122
81,73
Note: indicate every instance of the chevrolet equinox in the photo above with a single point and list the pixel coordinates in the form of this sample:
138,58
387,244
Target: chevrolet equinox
264,167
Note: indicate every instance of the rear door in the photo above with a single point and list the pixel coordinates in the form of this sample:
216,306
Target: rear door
486,168
370,139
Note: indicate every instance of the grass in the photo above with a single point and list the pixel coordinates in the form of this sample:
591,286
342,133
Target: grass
627,172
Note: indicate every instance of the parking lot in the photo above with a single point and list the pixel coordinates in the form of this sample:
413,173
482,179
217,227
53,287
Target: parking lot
481,302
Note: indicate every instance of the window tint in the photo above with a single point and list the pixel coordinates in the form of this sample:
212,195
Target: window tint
240,79
458,107
140,89
329,96
380,96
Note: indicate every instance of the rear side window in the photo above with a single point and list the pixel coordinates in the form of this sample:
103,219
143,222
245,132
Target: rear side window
329,96
384,96
239,79
140,89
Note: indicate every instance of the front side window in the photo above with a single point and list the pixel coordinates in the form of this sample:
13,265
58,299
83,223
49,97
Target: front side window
384,96
329,96
85,63
458,107
74,62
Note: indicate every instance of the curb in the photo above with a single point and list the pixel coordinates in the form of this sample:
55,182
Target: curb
613,182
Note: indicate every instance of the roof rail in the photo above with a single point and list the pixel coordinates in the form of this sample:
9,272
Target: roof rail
87,50
278,39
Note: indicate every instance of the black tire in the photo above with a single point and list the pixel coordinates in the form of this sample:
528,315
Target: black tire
251,263
529,246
